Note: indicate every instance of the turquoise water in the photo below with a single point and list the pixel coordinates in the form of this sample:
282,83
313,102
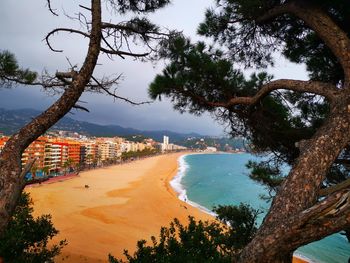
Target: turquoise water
213,179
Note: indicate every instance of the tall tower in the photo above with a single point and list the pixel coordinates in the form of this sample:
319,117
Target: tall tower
165,140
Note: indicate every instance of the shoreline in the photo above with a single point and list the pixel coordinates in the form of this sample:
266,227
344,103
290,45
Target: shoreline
181,192
124,204
182,195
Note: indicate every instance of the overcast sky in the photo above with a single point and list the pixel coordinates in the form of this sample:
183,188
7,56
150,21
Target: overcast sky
24,24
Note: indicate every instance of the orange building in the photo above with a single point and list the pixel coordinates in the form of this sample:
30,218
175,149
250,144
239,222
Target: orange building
74,151
62,150
35,150
3,141
51,153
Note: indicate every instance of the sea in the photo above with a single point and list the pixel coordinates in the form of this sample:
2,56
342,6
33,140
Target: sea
208,180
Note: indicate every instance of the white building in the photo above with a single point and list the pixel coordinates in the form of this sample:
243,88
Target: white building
211,149
165,140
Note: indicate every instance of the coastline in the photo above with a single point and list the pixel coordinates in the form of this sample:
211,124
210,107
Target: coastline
182,195
123,204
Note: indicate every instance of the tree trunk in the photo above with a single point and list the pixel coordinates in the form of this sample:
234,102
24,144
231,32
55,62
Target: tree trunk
11,184
287,226
296,217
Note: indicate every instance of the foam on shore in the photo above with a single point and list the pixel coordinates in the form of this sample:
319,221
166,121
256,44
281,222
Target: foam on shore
180,189
176,181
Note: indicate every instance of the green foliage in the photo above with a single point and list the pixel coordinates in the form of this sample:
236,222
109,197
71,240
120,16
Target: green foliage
200,78
337,173
8,63
222,144
135,138
242,222
196,242
138,154
33,170
267,175
247,43
26,238
144,6
10,71
199,241
45,170
234,24
197,74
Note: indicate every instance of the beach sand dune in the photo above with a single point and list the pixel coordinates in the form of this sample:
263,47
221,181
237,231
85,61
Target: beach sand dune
122,205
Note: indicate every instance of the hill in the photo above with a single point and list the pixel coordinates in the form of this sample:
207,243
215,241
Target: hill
12,120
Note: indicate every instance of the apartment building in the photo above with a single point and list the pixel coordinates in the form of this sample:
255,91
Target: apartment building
35,150
54,153
74,151
107,148
88,152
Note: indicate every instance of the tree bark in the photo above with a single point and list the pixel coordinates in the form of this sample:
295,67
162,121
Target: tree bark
296,217
11,184
324,218
279,236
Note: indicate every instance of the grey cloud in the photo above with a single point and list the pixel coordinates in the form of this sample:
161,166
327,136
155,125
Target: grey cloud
23,26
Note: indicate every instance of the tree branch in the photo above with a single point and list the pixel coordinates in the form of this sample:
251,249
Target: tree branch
26,169
116,96
324,218
111,48
10,157
35,83
123,53
79,107
84,7
69,30
326,90
320,22
335,188
50,8
121,27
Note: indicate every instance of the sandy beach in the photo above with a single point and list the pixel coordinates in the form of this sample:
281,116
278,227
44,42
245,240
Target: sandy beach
123,204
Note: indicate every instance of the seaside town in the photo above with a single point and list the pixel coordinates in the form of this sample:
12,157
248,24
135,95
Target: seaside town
175,131
64,152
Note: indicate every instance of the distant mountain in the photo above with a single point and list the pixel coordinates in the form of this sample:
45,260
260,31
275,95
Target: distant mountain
12,120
